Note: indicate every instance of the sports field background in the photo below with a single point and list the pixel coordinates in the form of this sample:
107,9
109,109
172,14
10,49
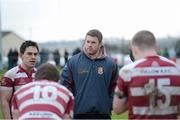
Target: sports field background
1,73
114,116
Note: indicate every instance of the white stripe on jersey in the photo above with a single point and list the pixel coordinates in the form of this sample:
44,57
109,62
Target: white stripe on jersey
31,90
63,96
41,101
33,75
148,111
22,94
155,71
21,75
17,87
39,114
140,91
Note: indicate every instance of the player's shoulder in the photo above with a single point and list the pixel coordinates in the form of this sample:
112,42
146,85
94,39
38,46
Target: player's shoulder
128,70
12,72
167,60
132,65
64,89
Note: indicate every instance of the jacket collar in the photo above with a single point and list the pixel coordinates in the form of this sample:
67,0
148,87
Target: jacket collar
101,53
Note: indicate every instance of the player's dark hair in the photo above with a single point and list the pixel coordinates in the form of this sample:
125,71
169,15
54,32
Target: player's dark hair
95,33
26,44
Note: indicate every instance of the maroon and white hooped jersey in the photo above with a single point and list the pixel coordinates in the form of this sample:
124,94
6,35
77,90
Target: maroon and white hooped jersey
152,87
43,100
16,77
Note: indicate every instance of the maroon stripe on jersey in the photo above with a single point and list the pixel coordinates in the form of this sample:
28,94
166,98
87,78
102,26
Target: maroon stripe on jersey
149,60
63,90
175,99
122,85
175,80
23,99
61,100
44,107
139,101
7,82
139,81
22,81
172,116
30,96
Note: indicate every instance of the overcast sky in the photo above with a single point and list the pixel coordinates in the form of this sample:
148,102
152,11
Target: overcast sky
44,20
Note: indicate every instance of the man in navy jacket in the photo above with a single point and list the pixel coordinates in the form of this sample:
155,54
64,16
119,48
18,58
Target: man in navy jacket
91,76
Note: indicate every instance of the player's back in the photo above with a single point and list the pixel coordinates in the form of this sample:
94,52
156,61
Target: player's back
154,88
43,100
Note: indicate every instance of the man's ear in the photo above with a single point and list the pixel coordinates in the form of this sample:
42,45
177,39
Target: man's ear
136,50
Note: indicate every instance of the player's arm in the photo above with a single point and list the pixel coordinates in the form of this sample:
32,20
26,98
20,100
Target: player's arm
119,102
70,107
14,107
66,78
15,114
67,116
5,96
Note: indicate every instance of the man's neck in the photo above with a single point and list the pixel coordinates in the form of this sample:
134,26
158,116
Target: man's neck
25,67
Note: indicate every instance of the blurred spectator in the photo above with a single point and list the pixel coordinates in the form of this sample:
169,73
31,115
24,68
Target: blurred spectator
10,54
166,53
178,53
15,56
56,56
66,55
76,51
44,56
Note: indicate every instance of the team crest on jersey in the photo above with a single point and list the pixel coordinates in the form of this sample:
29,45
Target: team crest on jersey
100,70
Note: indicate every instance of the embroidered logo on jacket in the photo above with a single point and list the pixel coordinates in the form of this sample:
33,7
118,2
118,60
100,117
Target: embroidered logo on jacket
100,70
82,71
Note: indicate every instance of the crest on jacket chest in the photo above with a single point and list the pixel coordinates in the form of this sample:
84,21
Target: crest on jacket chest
100,70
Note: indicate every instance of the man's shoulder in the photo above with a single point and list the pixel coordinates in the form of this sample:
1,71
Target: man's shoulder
11,71
76,57
110,61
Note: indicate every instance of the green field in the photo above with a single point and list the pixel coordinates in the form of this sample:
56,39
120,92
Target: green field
1,73
114,116
122,116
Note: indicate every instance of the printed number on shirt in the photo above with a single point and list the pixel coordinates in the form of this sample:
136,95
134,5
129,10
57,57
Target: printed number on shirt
46,93
158,96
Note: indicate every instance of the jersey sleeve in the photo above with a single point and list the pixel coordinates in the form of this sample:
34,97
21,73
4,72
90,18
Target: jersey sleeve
66,77
123,80
7,81
70,106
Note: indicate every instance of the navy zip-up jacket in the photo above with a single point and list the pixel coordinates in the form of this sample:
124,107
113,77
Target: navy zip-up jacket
91,81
